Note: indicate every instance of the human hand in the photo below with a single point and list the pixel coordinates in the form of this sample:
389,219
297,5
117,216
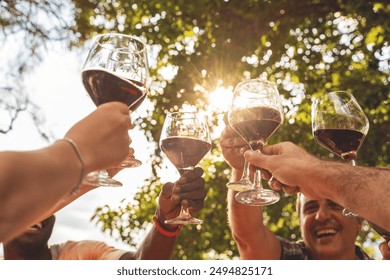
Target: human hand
233,147
102,137
189,191
384,248
285,162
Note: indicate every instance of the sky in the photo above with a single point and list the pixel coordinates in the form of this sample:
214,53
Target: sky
57,88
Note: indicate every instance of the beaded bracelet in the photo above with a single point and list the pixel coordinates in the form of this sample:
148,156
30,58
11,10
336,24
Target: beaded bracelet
163,231
76,149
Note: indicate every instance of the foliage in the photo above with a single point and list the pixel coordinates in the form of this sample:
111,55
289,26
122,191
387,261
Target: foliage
307,47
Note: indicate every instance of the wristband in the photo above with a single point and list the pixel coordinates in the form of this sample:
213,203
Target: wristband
77,151
163,231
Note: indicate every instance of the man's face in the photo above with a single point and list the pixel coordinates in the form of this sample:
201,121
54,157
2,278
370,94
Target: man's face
327,233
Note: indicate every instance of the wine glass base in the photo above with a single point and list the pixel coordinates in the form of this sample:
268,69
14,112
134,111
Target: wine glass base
100,179
257,197
348,213
130,162
184,220
239,186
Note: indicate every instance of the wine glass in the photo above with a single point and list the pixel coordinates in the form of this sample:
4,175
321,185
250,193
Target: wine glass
185,140
256,113
116,69
339,125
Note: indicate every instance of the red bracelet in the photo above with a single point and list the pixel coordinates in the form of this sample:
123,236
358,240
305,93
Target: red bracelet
163,231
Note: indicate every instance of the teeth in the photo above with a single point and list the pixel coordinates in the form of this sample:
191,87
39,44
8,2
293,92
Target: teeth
323,232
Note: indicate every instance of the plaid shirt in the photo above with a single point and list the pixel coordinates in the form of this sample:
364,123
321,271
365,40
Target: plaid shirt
298,251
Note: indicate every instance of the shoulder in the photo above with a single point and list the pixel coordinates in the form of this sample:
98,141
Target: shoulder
293,250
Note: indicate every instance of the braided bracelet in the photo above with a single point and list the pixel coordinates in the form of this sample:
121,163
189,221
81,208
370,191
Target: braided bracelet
163,231
76,149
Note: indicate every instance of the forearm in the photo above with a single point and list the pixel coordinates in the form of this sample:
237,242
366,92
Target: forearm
31,183
253,238
363,190
156,246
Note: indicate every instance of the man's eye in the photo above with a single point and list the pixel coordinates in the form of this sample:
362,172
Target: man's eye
336,206
310,209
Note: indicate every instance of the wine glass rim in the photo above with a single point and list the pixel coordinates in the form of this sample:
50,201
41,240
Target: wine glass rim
113,34
257,80
178,113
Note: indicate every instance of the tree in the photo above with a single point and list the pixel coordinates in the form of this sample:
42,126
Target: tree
307,47
27,27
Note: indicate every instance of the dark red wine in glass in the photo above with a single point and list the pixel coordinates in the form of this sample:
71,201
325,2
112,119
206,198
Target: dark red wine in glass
104,86
343,142
185,140
184,152
255,124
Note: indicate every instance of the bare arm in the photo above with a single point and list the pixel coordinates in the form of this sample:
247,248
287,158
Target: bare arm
33,182
188,191
363,190
253,238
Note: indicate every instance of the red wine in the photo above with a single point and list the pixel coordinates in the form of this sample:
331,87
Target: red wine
255,124
103,86
342,142
184,152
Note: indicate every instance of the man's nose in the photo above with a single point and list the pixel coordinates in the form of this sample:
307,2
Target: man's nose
323,213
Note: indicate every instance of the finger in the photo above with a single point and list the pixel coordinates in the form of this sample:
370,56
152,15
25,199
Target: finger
275,185
193,205
166,191
190,191
384,248
272,149
289,189
190,176
130,153
113,171
265,174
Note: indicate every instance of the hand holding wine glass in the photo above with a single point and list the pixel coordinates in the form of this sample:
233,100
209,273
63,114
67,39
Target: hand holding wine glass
185,140
256,113
116,69
339,125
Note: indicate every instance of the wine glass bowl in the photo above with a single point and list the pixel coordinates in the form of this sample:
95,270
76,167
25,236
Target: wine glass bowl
256,113
116,69
340,126
185,140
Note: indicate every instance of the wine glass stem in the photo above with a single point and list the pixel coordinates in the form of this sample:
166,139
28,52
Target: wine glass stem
245,172
184,212
352,162
257,179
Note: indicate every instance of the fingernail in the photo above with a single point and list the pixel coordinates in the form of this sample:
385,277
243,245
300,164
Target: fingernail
250,153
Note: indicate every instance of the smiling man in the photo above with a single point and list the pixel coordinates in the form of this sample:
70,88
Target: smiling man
326,233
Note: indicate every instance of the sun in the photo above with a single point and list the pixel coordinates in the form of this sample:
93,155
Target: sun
220,99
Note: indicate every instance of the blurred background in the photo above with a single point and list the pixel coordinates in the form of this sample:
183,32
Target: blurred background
198,51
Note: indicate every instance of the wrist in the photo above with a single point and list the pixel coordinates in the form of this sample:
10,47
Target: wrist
165,229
